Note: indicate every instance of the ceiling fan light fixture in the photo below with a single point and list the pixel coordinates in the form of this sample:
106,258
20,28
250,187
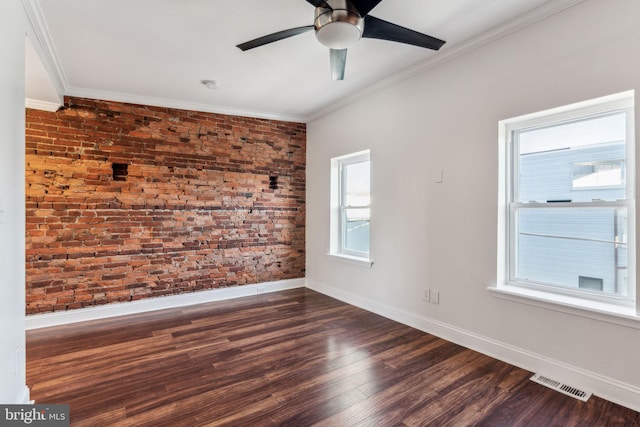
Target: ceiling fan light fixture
338,35
338,28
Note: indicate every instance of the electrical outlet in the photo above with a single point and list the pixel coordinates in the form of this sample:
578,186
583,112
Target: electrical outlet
425,296
434,296
260,289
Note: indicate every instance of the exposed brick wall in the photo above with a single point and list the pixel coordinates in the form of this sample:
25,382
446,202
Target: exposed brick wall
194,201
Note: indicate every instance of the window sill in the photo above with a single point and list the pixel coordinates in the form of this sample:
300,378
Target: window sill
612,313
348,259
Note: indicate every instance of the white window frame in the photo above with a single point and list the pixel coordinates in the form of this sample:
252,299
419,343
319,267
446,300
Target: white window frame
564,299
337,249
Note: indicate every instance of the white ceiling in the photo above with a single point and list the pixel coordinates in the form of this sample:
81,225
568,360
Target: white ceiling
157,52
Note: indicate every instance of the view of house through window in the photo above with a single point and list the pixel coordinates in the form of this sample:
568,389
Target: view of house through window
570,201
355,207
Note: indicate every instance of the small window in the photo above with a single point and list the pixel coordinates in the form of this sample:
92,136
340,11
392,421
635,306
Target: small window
598,174
351,205
569,199
593,283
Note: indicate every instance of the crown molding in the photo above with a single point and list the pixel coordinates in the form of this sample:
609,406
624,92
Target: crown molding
181,105
448,54
36,104
38,33
41,38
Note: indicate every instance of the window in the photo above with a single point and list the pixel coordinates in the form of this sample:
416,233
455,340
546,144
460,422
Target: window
351,206
567,201
598,174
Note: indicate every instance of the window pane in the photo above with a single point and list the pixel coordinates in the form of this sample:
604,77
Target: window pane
577,161
573,247
357,236
357,184
357,230
589,131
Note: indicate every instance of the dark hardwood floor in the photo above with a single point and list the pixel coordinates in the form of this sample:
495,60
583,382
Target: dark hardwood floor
294,358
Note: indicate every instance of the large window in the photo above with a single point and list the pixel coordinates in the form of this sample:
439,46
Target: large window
569,201
351,205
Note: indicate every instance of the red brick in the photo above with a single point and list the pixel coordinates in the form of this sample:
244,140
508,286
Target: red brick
194,213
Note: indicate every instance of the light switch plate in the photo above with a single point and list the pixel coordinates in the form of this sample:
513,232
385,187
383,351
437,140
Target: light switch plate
435,296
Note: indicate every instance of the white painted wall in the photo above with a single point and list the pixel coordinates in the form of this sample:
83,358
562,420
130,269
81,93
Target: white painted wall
12,224
443,236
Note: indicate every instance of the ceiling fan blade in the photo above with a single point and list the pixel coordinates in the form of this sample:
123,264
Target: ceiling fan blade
270,38
338,62
364,6
375,28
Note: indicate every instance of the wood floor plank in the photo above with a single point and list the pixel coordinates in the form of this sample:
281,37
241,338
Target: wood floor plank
294,358
399,397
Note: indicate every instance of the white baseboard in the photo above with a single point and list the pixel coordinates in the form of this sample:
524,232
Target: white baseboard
37,321
607,388
23,397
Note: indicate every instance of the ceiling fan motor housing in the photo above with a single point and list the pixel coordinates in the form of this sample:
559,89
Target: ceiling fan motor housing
339,26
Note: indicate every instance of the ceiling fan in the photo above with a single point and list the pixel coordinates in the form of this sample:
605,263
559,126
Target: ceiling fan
341,23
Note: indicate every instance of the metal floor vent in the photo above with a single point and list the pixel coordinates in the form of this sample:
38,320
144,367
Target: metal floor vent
562,388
